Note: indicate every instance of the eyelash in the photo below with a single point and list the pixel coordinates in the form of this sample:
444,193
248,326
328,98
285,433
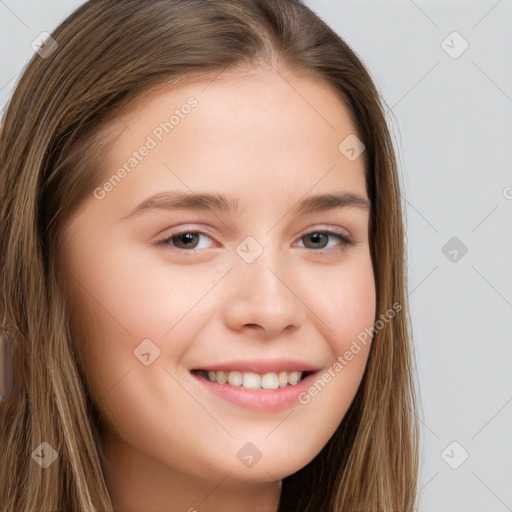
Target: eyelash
345,241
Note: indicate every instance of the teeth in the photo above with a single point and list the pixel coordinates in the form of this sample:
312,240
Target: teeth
269,381
294,377
251,380
235,378
283,379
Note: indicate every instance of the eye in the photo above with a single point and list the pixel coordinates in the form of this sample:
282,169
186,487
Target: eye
188,241
320,237
185,240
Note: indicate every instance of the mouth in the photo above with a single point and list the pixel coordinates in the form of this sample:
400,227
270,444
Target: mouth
251,380
266,386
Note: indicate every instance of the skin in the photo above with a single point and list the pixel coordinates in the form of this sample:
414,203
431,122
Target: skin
268,139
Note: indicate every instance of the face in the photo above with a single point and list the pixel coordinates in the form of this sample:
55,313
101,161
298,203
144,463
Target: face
259,281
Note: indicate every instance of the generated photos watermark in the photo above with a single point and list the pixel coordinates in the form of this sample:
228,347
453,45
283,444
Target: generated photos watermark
152,140
343,360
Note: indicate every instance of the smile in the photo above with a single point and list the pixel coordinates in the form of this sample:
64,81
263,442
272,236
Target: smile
252,380
266,386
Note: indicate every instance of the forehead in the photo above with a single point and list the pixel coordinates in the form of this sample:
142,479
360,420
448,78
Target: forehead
264,134
240,97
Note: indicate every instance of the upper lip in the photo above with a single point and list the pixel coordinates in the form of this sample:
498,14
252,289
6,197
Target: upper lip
260,366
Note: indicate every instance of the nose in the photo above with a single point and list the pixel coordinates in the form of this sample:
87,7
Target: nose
264,297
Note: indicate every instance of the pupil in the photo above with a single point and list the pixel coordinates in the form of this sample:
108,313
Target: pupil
186,238
315,237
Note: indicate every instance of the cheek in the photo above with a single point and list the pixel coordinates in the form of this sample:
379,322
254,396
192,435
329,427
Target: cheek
345,307
131,305
149,295
346,302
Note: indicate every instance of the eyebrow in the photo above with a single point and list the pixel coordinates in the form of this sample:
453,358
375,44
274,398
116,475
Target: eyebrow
177,200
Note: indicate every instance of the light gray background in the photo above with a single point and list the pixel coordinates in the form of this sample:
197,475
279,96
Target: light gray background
451,119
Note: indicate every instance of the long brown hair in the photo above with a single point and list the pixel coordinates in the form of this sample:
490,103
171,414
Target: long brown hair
109,54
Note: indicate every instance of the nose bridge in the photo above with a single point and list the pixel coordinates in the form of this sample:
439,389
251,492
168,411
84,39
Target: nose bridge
267,264
264,294
267,276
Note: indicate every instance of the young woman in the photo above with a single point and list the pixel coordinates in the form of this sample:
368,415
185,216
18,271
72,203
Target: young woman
202,269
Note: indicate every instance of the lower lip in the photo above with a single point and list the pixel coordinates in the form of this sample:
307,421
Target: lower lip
264,400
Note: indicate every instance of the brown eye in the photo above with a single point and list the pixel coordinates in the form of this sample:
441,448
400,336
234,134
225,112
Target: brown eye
317,238
185,240
320,240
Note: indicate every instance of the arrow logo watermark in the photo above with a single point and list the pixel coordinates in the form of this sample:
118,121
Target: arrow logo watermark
249,249
45,455
454,45
351,147
454,249
249,455
44,45
147,352
454,455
